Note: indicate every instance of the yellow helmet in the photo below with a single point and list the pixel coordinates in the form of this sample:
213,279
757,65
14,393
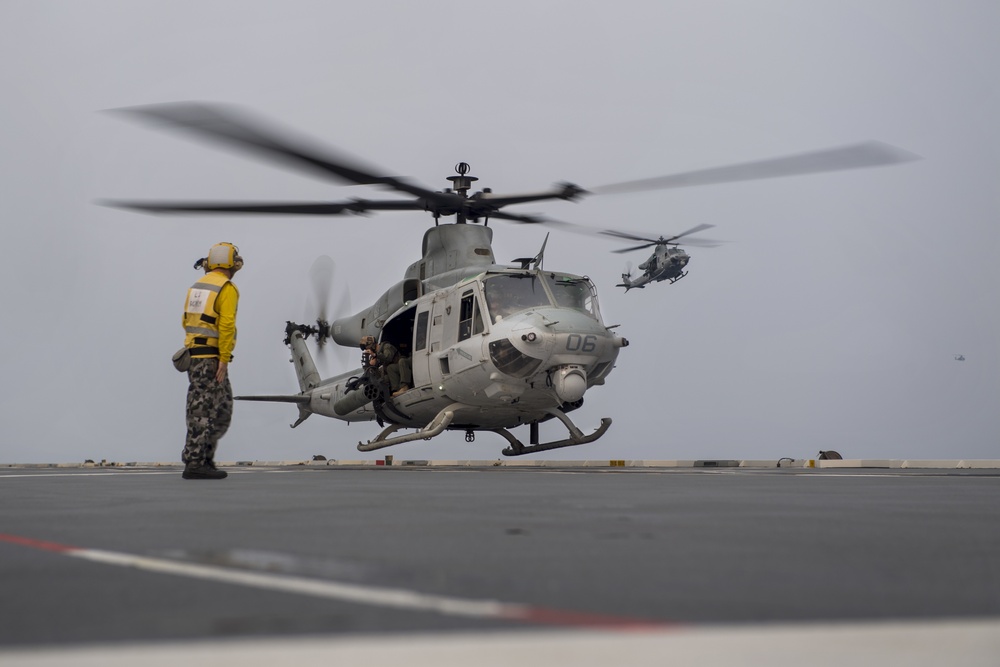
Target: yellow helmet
224,256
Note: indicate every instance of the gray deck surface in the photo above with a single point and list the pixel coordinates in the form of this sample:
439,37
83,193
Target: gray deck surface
691,547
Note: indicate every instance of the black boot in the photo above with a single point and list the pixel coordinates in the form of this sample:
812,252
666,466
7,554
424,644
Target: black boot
203,471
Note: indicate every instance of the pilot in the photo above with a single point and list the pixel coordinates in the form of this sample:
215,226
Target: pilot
210,327
499,299
387,358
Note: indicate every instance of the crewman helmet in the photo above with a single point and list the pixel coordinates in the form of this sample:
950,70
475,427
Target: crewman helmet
224,256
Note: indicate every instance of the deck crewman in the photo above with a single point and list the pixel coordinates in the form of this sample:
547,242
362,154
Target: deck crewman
210,336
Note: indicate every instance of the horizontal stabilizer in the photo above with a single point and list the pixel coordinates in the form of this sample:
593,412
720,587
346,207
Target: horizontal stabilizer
298,398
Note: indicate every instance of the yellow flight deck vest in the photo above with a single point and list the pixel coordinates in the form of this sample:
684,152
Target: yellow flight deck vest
200,316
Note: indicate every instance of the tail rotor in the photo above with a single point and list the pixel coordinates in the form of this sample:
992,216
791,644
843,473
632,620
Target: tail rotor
322,275
321,279
626,277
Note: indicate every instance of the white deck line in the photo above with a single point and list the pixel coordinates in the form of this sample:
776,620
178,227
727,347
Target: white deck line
370,595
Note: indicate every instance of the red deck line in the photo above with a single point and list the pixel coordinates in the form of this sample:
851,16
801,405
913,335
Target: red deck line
37,544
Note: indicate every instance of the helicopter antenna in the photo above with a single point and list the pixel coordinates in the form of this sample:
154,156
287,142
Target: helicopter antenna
541,253
536,261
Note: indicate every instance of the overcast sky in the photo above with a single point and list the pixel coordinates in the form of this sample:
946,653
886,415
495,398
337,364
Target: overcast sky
829,319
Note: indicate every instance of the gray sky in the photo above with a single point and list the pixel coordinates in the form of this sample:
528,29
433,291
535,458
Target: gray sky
828,320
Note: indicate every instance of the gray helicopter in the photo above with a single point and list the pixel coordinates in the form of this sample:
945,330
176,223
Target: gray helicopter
667,261
492,347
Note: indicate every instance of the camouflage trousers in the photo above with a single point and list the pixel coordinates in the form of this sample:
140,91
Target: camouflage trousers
209,411
399,373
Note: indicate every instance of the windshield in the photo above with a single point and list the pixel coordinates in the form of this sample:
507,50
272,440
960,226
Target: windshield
506,295
571,292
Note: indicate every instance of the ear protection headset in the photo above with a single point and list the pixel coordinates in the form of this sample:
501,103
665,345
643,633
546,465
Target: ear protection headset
221,256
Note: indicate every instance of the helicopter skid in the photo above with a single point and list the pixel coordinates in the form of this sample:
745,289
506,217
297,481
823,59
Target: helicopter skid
577,437
435,427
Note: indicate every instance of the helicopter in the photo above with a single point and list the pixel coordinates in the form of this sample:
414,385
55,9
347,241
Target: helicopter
667,261
492,347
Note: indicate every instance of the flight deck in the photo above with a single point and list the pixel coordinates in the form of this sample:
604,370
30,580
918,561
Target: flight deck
492,562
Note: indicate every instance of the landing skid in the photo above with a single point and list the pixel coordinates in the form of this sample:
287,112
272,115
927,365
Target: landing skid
444,418
436,427
517,448
673,280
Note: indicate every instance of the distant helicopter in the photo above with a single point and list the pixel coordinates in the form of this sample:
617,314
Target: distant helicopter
494,347
667,261
959,357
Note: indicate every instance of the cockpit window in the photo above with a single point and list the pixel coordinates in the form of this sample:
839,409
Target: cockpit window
573,292
509,294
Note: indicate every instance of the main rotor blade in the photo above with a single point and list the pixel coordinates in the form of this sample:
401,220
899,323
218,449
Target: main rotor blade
542,220
627,235
636,237
590,231
698,243
632,236
267,208
566,191
237,129
856,156
636,247
525,218
696,228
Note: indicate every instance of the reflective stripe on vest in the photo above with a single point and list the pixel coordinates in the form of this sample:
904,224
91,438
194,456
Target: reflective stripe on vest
201,317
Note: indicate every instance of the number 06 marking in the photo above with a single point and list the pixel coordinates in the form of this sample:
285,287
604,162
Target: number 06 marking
578,343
